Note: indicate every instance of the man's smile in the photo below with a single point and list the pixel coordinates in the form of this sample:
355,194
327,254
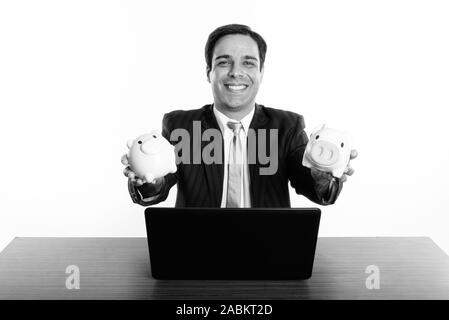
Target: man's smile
236,87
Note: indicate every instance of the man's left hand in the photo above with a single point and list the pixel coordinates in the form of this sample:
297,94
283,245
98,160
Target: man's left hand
349,170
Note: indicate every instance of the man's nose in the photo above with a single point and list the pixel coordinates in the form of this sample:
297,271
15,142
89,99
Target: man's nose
235,70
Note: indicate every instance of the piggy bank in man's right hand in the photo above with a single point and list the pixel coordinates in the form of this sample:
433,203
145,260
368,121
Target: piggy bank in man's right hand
151,156
328,150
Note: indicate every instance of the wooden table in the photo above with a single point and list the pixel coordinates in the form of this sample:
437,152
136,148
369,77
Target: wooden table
119,268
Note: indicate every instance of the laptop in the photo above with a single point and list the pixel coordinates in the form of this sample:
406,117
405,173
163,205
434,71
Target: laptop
232,243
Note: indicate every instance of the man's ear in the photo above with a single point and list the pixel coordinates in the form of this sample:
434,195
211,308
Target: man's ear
261,73
207,74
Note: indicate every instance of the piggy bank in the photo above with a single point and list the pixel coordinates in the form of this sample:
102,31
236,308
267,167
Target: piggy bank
151,156
328,150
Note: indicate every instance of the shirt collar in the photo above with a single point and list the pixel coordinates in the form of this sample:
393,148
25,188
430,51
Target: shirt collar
222,119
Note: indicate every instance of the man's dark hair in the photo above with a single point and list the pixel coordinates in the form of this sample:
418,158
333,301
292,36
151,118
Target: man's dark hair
220,32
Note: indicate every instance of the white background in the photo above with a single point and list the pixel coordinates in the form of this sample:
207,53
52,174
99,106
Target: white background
80,78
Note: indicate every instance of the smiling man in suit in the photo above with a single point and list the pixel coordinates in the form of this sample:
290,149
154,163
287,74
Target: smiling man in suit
235,57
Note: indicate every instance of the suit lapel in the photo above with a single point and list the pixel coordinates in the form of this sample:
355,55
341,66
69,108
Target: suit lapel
257,184
214,171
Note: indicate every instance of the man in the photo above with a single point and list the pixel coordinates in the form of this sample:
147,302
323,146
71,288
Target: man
235,57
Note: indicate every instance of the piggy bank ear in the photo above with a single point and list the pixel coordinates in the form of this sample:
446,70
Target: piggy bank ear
129,143
320,127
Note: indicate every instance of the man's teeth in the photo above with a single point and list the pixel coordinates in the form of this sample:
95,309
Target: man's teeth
236,88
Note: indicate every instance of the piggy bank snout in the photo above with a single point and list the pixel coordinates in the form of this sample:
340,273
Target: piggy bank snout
325,153
149,147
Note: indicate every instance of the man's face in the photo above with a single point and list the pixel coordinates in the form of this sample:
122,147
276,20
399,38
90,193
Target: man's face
235,73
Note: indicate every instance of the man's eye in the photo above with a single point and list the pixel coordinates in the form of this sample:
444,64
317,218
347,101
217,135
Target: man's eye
249,63
222,63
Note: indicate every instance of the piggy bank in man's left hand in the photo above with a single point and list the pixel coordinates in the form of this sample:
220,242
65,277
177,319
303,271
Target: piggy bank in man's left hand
151,156
328,150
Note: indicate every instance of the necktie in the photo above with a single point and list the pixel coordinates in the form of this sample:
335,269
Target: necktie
235,168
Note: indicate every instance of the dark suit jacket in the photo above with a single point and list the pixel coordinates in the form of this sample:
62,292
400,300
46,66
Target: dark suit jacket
201,185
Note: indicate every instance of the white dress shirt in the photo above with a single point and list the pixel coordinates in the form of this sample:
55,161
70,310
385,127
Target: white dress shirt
227,133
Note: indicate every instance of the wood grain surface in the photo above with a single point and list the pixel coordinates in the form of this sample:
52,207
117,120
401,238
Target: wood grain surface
119,268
